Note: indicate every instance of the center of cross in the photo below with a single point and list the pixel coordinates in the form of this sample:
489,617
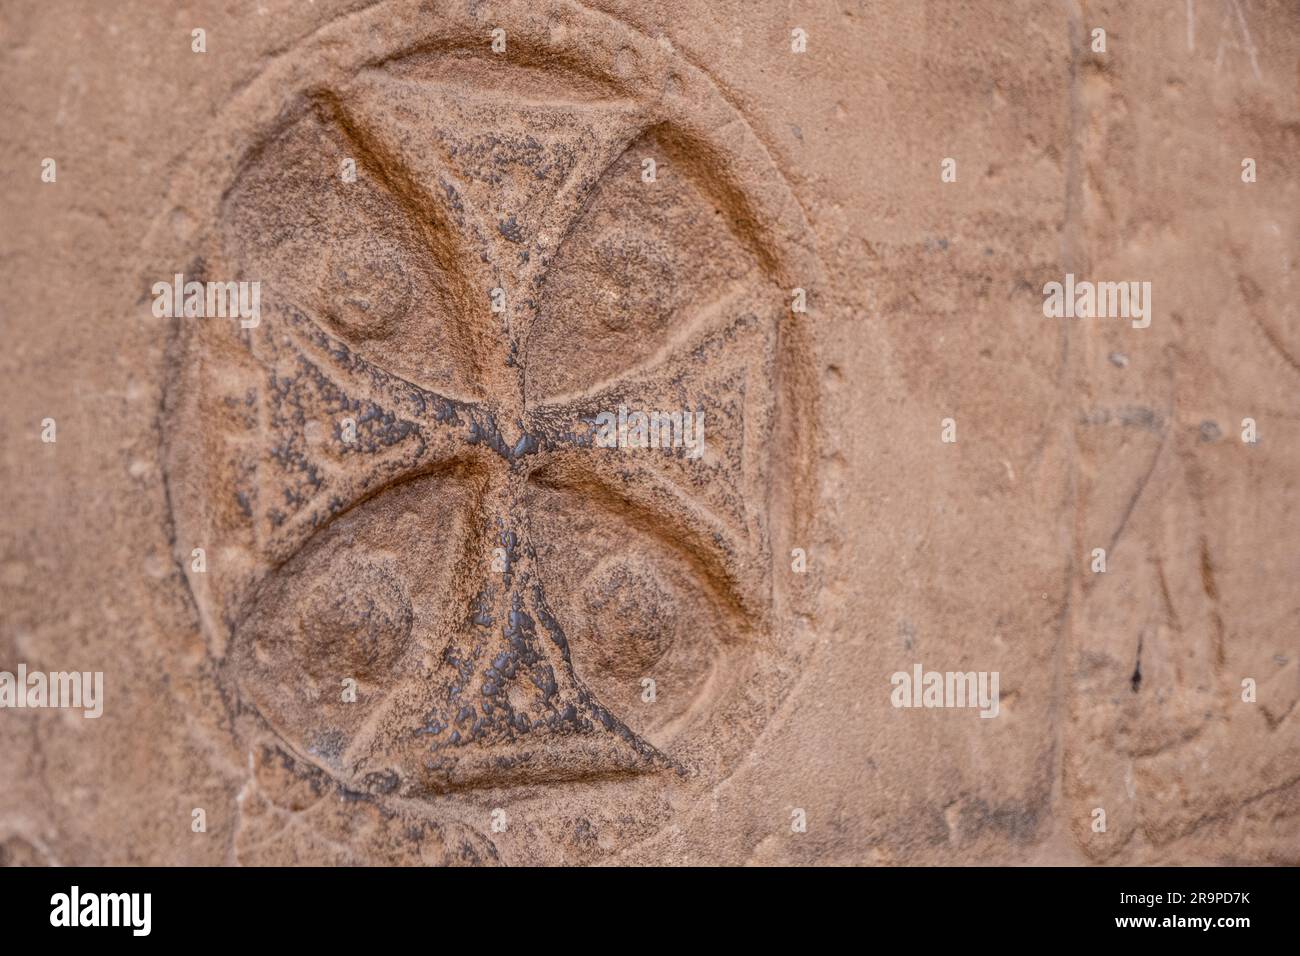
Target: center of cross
511,432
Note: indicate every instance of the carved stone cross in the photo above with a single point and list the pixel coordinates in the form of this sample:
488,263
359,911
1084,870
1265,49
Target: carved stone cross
400,478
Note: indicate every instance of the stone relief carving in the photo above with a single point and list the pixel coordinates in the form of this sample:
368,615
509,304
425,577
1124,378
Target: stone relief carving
398,471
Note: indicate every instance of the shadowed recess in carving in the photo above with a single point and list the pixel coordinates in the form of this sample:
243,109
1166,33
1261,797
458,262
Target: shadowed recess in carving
371,260
642,259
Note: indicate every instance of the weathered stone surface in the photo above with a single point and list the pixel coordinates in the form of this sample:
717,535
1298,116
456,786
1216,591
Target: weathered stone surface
400,490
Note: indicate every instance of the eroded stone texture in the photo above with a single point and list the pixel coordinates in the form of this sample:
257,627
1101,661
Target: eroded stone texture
398,487
499,587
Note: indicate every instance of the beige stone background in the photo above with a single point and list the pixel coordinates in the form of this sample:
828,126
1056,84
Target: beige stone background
1072,435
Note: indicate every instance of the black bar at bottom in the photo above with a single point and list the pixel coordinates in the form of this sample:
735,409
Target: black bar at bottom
339,906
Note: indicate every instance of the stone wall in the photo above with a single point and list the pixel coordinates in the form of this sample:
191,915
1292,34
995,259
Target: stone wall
649,433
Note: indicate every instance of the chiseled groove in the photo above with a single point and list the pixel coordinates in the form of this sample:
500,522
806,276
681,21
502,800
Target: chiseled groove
684,535
320,346
422,212
460,465
522,53
477,480
698,330
492,96
727,196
